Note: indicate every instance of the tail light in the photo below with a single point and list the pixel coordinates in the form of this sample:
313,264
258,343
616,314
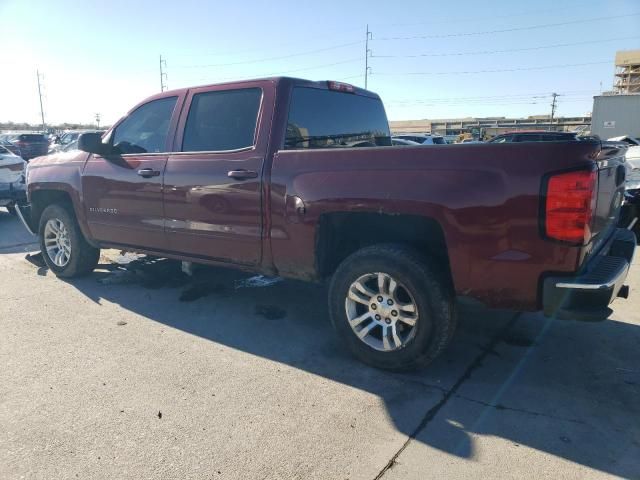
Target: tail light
570,203
340,87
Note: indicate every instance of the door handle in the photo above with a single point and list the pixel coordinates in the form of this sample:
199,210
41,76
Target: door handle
148,172
242,174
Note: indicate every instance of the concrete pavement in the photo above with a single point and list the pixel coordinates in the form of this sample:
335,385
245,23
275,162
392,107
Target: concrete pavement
139,372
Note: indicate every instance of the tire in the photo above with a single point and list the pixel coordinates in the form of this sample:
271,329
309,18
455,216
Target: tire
418,283
81,258
12,210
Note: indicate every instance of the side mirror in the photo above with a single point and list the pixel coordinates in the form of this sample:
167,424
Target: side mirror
92,143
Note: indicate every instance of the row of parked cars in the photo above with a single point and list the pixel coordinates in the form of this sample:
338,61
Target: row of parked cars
16,149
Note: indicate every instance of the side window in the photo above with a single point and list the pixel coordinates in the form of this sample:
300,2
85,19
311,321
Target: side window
145,130
504,139
222,120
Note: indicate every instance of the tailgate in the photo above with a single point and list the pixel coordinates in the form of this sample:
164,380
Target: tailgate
611,176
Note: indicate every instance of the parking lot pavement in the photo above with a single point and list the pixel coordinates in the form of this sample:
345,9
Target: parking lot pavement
139,372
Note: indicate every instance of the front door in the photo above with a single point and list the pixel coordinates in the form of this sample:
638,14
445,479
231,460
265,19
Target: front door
212,195
123,190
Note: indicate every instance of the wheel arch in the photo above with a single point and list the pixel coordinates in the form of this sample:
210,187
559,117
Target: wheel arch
41,198
340,234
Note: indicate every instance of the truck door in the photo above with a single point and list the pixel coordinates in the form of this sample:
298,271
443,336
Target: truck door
123,190
213,188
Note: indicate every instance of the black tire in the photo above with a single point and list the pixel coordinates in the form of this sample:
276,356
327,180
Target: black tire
431,293
12,210
83,257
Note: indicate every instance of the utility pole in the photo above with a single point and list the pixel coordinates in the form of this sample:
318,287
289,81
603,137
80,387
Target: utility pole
163,74
97,121
367,69
553,108
44,128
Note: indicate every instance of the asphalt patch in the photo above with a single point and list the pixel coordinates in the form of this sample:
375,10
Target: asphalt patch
516,340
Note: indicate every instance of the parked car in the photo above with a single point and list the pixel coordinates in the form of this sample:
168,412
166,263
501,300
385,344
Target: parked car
632,141
12,188
631,208
31,145
6,142
423,139
402,141
533,136
68,140
265,176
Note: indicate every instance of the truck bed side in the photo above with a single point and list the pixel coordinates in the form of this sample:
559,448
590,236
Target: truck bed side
486,199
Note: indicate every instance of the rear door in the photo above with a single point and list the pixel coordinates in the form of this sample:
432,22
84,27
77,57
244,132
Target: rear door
123,190
213,186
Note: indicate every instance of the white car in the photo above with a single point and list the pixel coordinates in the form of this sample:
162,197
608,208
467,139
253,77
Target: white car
625,139
11,179
422,138
632,158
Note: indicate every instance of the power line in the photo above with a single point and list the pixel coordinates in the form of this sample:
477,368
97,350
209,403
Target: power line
482,97
476,19
249,50
275,74
500,70
246,62
505,30
490,52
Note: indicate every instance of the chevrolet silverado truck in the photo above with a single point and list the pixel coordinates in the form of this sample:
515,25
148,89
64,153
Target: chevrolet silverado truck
298,179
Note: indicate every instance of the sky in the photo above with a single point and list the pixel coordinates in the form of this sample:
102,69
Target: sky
428,59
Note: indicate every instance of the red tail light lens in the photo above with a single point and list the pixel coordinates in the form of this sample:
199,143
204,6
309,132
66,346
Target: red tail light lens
569,206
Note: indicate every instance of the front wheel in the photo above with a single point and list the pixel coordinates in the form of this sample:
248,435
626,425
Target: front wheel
392,307
64,248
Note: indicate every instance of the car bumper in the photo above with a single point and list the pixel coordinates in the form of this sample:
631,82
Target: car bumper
12,193
587,296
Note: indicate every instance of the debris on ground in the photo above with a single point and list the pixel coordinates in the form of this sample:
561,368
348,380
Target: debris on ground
121,323
258,281
36,259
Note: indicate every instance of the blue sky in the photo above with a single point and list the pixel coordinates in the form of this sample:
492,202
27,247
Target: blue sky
103,56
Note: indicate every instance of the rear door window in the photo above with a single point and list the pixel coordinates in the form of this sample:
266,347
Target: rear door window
145,129
328,119
222,120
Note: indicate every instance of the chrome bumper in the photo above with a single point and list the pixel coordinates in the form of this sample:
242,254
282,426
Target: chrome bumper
587,296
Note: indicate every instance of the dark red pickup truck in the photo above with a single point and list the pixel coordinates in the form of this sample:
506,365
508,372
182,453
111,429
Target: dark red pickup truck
296,178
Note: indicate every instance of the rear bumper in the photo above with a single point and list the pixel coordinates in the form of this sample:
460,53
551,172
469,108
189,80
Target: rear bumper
587,296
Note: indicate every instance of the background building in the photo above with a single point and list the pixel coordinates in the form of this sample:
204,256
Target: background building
627,76
488,126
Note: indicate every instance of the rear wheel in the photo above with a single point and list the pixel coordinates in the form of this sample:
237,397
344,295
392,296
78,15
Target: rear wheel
64,248
392,307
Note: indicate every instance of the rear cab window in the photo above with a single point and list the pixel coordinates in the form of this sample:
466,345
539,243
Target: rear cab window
330,119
